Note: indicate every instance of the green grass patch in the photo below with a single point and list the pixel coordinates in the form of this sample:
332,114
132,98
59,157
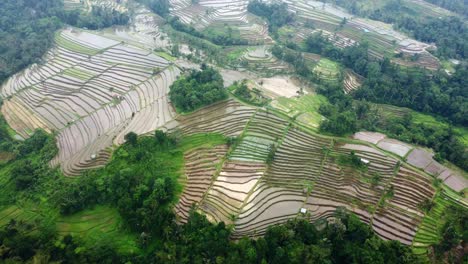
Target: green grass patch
305,108
236,53
78,73
73,46
99,225
166,56
201,140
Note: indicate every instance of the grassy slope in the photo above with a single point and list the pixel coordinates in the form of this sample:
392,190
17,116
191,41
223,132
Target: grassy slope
305,107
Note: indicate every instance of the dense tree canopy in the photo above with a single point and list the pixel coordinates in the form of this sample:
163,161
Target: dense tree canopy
26,32
160,7
198,89
457,6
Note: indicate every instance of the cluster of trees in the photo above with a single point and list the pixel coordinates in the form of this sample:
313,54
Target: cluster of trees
198,89
242,91
99,17
414,88
26,32
160,7
223,38
454,236
276,13
457,6
22,241
140,182
319,44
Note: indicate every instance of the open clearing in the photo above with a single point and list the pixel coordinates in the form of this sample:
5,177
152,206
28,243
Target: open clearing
280,86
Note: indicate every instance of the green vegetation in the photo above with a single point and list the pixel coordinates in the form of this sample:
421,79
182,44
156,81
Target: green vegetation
277,14
457,6
305,107
241,91
160,7
27,29
26,32
352,160
198,89
99,17
448,33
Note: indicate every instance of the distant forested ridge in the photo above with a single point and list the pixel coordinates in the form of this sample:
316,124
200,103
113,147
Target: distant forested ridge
26,32
27,29
450,34
198,89
160,7
457,6
99,17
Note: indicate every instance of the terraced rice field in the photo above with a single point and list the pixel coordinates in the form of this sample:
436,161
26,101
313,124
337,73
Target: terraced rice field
327,71
417,157
276,168
304,108
351,81
260,59
91,91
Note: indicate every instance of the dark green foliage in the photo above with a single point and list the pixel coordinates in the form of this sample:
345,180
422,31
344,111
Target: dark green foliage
351,160
131,138
22,240
99,17
388,83
140,182
450,34
340,123
317,43
160,7
293,57
26,32
444,141
276,13
426,205
454,233
243,93
32,160
198,89
457,6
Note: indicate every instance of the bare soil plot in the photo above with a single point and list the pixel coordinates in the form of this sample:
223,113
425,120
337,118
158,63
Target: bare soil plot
280,86
395,146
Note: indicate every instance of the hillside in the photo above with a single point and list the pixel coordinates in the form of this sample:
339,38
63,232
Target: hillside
214,131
